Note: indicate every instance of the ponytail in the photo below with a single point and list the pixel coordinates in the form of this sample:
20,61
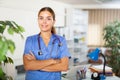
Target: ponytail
53,30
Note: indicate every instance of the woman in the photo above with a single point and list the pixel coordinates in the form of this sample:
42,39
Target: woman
45,54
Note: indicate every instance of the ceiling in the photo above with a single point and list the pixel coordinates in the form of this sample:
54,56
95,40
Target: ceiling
89,2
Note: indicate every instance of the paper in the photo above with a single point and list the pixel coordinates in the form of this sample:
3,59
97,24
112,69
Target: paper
99,68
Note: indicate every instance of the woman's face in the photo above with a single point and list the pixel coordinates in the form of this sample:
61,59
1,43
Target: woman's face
45,21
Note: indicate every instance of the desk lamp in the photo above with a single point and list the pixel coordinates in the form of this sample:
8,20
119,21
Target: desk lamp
94,56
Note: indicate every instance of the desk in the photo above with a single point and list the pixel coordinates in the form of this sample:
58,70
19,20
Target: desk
71,75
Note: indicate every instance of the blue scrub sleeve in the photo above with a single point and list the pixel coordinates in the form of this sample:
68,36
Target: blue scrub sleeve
28,45
64,50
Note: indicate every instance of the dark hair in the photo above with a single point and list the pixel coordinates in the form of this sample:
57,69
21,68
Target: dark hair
53,14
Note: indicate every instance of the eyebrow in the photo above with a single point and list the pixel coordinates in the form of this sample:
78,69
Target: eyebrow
47,16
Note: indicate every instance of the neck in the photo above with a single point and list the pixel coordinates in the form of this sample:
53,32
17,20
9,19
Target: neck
46,35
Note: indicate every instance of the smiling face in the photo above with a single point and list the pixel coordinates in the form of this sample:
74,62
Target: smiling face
45,21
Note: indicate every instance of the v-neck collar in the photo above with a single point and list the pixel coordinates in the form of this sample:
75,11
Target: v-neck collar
49,43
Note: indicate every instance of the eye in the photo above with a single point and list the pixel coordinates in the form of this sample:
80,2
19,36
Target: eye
49,18
40,18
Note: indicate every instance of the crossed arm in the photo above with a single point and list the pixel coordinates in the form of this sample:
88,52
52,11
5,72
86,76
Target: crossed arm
30,63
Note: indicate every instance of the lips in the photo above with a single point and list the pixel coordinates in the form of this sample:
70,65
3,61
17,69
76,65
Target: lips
44,26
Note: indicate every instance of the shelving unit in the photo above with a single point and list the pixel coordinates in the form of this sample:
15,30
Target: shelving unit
77,36
79,47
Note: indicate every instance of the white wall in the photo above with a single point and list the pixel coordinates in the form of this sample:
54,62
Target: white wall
24,12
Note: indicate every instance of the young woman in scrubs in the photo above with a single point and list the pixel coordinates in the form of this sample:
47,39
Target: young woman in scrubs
46,53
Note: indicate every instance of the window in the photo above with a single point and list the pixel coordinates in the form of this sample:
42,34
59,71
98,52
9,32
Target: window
98,18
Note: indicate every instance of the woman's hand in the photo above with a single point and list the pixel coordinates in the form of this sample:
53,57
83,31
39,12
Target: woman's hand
58,65
30,56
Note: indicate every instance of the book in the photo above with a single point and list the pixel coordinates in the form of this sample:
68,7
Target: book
99,69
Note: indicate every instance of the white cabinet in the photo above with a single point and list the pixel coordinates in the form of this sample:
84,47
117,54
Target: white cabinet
77,21
60,16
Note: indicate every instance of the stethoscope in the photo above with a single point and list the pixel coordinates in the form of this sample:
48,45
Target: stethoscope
59,45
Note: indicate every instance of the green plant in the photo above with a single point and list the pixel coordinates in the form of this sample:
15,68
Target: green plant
7,44
112,41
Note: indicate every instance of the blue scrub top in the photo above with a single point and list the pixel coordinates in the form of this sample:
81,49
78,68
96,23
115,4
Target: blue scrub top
50,51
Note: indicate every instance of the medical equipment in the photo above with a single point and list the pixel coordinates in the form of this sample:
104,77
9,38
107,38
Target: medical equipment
40,51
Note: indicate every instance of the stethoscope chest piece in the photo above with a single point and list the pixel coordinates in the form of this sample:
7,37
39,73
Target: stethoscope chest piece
39,52
60,44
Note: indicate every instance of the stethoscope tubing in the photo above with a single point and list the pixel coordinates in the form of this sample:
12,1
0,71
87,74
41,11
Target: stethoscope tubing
40,51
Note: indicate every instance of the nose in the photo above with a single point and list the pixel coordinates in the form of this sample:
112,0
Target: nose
44,20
